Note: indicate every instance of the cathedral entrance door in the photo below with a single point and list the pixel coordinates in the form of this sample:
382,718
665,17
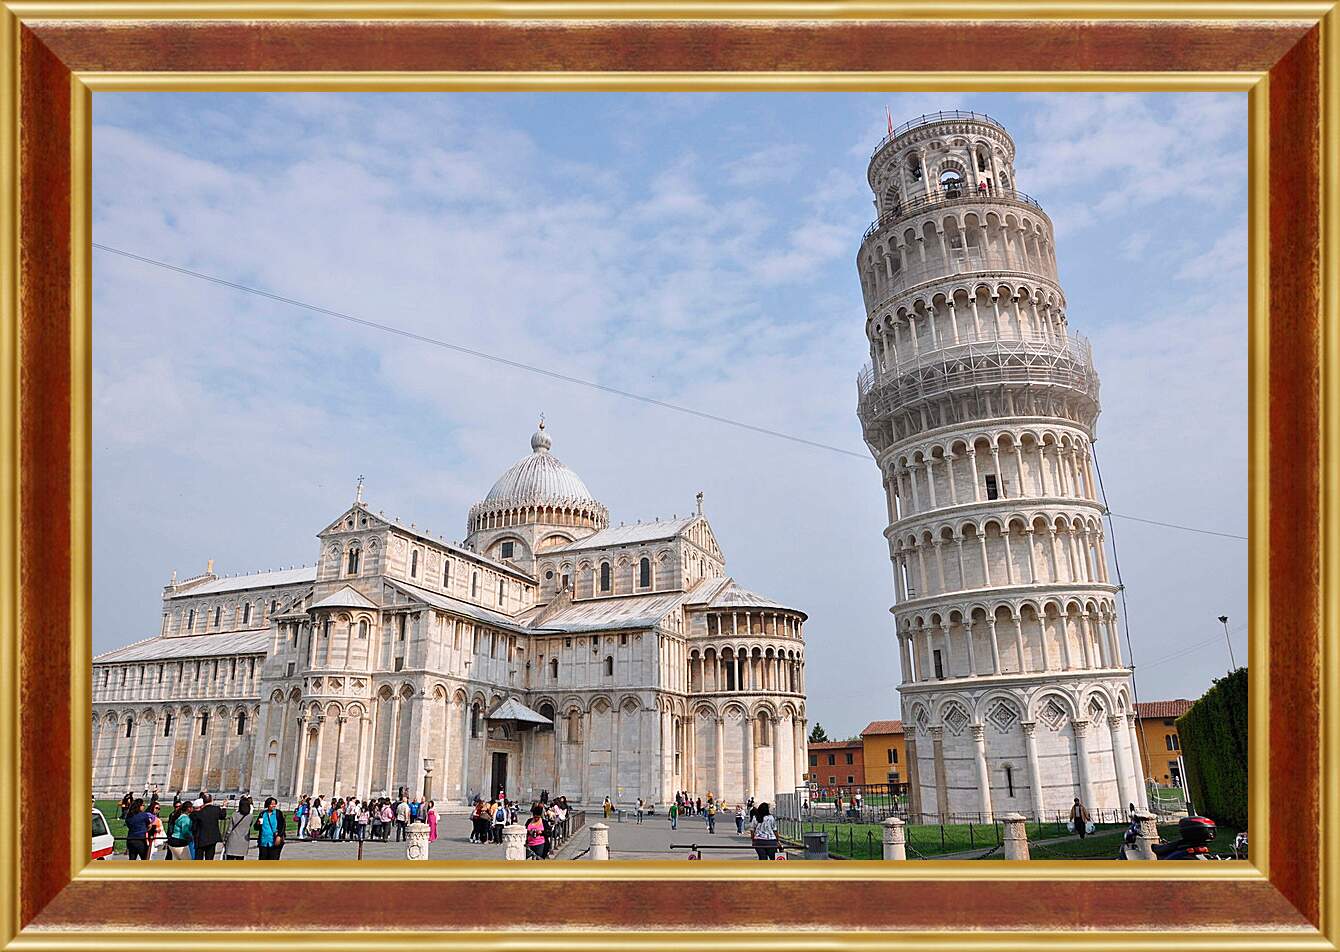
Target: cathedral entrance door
499,777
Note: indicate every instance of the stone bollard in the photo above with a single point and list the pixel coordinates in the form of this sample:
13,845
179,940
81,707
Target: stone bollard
1146,836
514,841
416,847
895,839
1016,836
600,841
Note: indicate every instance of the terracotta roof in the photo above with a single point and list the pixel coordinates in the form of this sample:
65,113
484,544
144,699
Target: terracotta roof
833,744
1163,708
883,727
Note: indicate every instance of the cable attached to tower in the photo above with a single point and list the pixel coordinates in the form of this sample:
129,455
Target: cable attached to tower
1125,611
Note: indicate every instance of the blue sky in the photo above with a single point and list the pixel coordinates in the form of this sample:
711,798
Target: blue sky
697,248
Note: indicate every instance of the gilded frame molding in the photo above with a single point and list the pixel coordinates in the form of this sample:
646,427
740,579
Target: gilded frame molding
47,908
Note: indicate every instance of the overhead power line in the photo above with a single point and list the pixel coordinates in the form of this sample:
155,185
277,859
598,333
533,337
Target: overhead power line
546,372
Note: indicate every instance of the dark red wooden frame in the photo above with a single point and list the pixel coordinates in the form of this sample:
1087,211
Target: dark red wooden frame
1289,50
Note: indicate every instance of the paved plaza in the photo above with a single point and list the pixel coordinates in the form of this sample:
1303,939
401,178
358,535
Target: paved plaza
628,840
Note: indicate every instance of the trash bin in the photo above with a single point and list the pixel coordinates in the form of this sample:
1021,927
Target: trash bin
816,846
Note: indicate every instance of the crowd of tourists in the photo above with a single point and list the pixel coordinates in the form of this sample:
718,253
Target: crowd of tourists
195,829
755,819
362,820
547,823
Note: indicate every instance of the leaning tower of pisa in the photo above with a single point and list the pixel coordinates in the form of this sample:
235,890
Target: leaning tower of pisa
979,406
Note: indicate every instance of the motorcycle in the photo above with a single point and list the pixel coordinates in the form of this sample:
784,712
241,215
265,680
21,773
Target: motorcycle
1195,833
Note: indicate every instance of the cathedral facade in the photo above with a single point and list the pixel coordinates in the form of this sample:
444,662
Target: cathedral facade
548,651
979,405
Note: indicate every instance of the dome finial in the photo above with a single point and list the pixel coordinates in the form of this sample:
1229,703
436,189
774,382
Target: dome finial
540,442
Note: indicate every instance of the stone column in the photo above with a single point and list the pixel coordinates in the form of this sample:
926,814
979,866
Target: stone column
392,738
1016,836
895,839
983,774
361,778
615,721
913,773
1120,764
972,458
417,707
341,720
320,744
600,841
1081,729
801,763
1137,769
300,767
514,842
1034,771
416,846
720,756
941,781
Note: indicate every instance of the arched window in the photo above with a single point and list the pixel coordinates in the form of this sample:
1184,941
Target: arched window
218,615
363,629
644,573
474,585
167,724
604,576
241,723
951,183
130,723
274,605
414,564
353,561
609,666
446,572
553,668
914,168
502,590
574,726
204,724
474,720
190,619
246,613
547,710
1009,779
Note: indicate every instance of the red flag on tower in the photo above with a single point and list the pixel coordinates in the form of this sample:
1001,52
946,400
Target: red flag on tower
889,116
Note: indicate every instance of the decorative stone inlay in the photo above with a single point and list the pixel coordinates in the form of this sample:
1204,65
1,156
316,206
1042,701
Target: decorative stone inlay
1052,714
955,719
1003,717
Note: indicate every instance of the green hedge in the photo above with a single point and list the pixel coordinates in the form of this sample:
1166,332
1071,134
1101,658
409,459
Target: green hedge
1214,748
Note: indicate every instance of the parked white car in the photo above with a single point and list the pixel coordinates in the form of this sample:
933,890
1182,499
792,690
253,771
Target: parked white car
102,836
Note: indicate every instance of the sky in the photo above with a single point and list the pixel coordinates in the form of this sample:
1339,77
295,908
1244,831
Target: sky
696,248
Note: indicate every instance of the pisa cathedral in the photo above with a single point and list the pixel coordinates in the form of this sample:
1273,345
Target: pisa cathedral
549,651
979,406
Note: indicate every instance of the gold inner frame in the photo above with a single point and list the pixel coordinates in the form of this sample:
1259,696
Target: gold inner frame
83,85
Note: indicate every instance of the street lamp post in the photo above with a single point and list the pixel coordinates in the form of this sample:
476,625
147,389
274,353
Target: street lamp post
1223,620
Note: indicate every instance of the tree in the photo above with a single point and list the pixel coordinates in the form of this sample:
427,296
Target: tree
818,734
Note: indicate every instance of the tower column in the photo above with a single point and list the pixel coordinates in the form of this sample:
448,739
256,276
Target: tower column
983,775
1034,771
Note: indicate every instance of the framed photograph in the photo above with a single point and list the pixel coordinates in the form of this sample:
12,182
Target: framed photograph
434,464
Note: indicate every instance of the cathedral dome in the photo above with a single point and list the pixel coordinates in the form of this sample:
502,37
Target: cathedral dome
539,481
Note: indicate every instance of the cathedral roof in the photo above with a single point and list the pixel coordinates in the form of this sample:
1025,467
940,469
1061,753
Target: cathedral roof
725,593
346,597
611,614
539,479
447,603
237,583
191,646
513,710
633,534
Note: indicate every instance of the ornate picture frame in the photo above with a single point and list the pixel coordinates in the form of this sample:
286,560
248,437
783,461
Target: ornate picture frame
1284,55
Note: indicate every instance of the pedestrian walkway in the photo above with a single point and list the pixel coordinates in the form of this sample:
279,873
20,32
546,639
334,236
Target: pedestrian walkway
652,838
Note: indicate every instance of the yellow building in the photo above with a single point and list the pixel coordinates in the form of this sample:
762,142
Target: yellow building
885,753
1160,746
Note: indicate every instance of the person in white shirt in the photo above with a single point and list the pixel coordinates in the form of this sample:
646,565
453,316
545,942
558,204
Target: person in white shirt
765,833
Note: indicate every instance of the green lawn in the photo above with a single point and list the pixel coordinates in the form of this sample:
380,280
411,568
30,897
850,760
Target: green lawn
865,840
